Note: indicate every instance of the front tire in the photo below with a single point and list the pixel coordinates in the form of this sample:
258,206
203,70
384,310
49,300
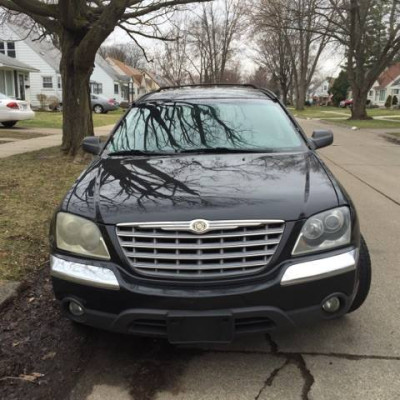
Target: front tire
8,124
98,109
364,270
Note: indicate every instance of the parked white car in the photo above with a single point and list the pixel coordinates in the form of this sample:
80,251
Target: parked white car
12,111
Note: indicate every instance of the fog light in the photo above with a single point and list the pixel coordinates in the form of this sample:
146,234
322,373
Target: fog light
331,305
76,309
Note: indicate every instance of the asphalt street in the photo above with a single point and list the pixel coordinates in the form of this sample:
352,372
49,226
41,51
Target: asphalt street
356,357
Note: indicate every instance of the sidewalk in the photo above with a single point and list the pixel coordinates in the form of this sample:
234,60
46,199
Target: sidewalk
53,138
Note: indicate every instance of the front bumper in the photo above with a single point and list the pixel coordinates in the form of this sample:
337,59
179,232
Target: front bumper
292,298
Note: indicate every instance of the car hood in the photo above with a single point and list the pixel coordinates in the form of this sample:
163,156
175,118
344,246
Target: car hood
226,186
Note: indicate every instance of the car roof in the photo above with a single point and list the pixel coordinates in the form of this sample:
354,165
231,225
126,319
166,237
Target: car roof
193,92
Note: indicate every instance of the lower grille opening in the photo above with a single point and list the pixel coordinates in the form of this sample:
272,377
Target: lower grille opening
149,326
253,324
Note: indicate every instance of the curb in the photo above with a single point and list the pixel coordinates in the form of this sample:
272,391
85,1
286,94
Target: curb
390,138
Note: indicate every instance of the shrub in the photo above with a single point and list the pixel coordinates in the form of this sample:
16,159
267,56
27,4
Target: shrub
388,102
42,98
395,101
54,103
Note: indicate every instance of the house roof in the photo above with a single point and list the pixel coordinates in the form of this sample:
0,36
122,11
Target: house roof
388,76
127,70
101,62
52,55
160,80
46,49
10,62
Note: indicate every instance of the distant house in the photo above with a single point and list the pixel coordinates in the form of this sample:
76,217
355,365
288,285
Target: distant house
44,57
14,75
387,84
141,82
319,92
161,81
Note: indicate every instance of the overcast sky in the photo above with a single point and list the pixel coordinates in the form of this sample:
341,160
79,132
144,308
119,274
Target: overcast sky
329,65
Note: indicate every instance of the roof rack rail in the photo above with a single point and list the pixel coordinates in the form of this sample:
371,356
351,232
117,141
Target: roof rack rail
268,92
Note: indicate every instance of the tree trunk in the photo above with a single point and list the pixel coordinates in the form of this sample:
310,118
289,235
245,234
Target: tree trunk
359,108
300,97
76,100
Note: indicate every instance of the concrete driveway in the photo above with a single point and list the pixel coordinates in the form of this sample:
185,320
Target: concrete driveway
356,357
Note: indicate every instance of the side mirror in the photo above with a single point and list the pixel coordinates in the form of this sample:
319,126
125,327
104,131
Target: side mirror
92,145
322,138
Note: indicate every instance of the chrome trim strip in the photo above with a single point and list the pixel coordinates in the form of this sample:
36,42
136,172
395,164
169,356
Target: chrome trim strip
83,274
211,225
320,269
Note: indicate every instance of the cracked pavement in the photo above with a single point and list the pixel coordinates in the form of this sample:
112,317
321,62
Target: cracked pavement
355,357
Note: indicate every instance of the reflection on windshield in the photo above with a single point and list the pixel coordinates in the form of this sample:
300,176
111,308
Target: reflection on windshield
209,124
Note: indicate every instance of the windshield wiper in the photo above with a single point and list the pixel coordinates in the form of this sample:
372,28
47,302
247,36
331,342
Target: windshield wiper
137,153
225,150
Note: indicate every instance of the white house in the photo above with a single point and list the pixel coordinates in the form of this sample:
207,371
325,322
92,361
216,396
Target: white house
14,77
319,91
44,57
387,84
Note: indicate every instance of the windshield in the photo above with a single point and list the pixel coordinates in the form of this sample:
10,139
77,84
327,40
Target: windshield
206,124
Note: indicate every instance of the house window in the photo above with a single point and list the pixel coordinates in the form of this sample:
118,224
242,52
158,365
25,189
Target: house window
395,91
7,83
371,93
116,88
8,49
96,88
59,82
47,82
11,49
382,95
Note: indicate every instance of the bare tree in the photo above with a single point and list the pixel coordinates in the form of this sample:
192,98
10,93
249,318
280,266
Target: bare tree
212,36
298,23
370,32
128,53
273,54
80,27
259,77
173,62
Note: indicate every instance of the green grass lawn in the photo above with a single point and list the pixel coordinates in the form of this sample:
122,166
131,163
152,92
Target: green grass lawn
335,112
44,119
367,124
320,112
395,134
13,134
31,187
327,113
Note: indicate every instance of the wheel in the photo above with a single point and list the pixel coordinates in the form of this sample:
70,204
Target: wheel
98,109
9,124
364,270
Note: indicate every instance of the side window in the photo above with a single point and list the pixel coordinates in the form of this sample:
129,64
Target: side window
47,82
11,49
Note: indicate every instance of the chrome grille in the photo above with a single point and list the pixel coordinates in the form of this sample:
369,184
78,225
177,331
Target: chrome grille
224,249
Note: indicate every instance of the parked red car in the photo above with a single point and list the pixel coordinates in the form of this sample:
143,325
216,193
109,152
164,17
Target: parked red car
346,103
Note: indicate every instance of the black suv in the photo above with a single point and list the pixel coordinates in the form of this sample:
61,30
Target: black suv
207,214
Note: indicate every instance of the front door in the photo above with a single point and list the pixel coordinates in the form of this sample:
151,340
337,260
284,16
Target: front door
21,85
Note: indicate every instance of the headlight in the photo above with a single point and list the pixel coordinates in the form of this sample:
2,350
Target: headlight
80,236
323,231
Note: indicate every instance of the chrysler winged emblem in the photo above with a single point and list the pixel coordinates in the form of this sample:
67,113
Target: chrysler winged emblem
199,226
